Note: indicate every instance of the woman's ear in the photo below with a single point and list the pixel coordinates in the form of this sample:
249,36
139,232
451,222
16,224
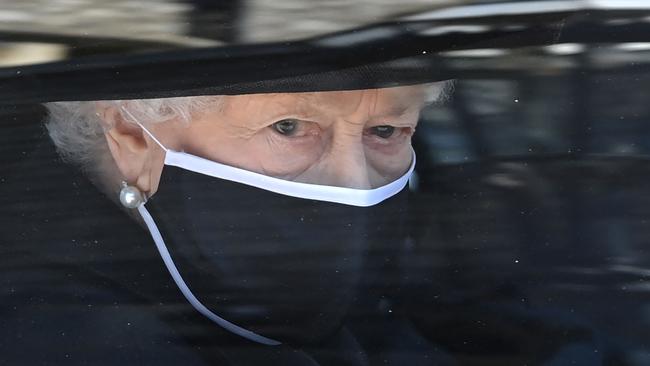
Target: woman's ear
138,158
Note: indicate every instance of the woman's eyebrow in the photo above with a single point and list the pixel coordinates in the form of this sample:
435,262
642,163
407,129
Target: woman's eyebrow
397,110
308,107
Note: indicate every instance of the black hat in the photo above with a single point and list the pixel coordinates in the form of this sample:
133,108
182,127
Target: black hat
399,50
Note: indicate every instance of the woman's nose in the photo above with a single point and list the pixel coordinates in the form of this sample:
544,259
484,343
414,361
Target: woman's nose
346,165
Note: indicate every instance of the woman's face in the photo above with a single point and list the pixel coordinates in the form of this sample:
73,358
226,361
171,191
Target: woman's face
357,139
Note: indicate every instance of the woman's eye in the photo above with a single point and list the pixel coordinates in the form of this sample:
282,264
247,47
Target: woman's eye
384,131
286,127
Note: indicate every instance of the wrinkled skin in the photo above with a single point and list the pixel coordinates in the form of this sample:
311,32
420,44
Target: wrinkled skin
356,139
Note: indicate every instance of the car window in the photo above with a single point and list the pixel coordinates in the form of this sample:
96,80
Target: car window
331,183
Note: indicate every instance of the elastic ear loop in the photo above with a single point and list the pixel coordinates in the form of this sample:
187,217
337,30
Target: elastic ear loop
178,279
135,120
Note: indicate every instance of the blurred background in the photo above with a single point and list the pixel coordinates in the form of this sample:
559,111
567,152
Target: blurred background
56,28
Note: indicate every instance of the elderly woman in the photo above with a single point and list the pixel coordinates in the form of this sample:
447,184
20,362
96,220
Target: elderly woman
265,208
355,139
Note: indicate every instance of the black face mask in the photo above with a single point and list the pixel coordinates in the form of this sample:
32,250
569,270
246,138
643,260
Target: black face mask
283,267
278,259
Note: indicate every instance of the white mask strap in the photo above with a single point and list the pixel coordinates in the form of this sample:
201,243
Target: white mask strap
185,290
144,128
336,194
176,276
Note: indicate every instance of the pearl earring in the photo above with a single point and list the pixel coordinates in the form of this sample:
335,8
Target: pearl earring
130,196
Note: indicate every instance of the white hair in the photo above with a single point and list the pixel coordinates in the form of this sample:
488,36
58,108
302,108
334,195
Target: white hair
439,92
